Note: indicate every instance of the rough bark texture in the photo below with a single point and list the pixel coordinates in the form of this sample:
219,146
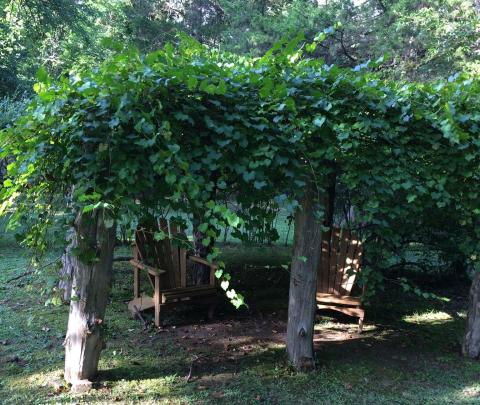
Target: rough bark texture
471,340
90,290
303,283
201,273
3,170
66,272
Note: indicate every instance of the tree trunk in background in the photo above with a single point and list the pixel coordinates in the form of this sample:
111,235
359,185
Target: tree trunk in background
471,340
303,286
3,171
66,272
91,285
201,273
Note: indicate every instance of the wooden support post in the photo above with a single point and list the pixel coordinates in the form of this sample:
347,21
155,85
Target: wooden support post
91,285
471,340
183,267
157,297
303,284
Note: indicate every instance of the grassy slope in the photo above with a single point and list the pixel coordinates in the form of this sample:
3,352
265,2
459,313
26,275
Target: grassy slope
409,353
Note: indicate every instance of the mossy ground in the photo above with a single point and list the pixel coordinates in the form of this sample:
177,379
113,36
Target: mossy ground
408,354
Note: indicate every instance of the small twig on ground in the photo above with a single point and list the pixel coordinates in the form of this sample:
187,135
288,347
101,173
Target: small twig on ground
29,272
139,315
189,376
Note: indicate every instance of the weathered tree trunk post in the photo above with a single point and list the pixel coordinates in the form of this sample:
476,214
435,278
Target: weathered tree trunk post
471,340
91,285
303,285
66,272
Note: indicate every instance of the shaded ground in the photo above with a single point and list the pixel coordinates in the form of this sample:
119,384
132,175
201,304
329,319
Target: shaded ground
408,354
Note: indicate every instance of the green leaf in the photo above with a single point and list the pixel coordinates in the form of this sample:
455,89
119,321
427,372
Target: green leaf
88,208
192,82
248,176
170,178
311,47
222,87
238,301
321,36
160,235
232,219
259,184
42,75
203,227
319,120
267,87
218,273
302,259
112,44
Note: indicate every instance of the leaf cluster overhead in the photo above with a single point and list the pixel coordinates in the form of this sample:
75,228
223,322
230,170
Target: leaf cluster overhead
181,128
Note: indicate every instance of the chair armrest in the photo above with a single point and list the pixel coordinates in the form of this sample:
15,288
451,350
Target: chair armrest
152,270
201,260
213,267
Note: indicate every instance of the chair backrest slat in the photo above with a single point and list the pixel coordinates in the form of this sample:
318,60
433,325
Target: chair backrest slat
164,257
322,281
339,262
355,264
344,244
163,254
332,265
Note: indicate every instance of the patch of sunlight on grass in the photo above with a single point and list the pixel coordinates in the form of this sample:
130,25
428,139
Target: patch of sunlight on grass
343,326
275,346
430,317
472,391
469,394
36,380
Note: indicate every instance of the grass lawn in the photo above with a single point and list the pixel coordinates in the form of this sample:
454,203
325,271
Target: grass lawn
409,352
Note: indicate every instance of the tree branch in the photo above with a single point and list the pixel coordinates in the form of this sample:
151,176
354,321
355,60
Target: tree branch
344,48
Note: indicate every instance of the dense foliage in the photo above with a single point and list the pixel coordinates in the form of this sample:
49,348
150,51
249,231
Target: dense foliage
428,39
182,128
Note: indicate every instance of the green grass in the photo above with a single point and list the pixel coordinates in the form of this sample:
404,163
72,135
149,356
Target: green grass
408,354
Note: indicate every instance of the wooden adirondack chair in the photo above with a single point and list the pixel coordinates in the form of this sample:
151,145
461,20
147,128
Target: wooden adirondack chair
166,266
339,264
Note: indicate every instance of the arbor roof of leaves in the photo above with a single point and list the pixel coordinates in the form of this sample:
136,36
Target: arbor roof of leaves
182,126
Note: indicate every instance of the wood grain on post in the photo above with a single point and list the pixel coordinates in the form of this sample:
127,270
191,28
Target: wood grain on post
303,285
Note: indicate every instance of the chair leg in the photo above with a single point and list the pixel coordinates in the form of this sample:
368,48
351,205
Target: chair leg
136,283
156,298
360,324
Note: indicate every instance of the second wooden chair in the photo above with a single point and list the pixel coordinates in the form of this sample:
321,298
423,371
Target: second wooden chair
339,265
166,266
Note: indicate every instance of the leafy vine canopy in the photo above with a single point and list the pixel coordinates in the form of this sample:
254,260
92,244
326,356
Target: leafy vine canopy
187,127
